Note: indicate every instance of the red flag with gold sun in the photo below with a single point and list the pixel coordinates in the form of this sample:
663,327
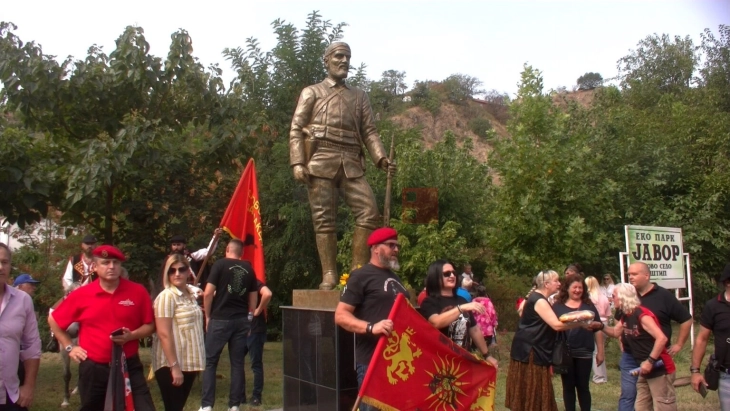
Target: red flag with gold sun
418,368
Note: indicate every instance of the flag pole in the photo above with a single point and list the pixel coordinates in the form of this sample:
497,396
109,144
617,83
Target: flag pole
389,183
213,246
357,403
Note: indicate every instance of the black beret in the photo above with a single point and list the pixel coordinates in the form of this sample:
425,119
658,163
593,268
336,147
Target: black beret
89,239
177,239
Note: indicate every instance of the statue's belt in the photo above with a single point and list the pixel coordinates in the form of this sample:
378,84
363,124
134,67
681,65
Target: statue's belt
339,147
319,131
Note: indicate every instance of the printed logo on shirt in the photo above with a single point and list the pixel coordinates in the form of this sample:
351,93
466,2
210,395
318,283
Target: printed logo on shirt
392,286
126,303
236,285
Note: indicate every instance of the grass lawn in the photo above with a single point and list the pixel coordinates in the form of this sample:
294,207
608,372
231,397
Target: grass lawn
49,388
605,396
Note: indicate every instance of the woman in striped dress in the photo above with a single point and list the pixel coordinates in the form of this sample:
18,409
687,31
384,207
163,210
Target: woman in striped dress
178,348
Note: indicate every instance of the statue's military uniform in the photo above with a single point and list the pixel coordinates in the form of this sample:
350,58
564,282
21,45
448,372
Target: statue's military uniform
329,128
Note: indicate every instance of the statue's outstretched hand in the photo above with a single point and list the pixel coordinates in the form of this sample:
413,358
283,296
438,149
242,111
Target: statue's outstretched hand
301,174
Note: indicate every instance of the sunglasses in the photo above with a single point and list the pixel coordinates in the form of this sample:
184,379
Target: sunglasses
181,270
392,246
448,274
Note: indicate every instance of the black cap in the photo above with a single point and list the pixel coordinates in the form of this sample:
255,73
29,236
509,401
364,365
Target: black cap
177,239
725,274
89,239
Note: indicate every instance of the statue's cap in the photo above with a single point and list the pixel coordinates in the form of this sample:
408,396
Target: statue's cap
337,45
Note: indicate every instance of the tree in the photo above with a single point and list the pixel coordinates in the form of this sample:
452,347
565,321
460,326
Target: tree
394,82
460,88
589,81
113,119
659,65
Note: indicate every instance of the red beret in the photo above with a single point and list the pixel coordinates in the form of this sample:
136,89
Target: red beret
110,252
382,235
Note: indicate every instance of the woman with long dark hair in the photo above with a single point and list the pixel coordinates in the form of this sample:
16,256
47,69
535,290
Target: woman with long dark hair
450,313
573,296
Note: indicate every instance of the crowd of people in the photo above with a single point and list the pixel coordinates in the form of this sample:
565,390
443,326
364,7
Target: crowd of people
115,313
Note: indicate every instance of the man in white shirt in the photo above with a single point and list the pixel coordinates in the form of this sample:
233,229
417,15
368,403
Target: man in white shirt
178,245
79,267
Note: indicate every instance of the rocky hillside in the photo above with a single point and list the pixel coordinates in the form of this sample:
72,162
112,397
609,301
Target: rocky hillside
451,117
457,118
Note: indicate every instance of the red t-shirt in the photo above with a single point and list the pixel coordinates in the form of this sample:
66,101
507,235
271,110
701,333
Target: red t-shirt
99,313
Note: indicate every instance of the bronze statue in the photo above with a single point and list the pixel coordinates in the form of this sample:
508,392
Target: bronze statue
331,124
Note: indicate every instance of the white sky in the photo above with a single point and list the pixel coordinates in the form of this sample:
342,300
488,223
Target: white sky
429,40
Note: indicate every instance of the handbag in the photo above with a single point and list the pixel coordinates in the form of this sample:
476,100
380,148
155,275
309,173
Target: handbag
562,360
712,375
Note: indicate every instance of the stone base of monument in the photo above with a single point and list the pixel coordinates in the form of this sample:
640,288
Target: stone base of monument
319,357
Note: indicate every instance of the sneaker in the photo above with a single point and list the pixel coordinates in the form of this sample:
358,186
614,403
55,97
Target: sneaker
255,402
234,408
206,409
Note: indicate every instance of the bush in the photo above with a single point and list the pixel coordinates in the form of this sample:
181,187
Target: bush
423,96
504,292
480,126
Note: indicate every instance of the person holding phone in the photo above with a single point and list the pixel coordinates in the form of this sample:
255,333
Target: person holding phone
109,305
178,345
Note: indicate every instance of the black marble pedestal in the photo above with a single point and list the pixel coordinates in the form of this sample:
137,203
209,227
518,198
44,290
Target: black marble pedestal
319,370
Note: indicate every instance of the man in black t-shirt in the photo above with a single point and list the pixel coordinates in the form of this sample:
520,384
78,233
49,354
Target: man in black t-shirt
368,297
715,320
666,308
229,301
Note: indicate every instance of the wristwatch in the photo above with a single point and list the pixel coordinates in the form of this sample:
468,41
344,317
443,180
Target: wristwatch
694,370
69,347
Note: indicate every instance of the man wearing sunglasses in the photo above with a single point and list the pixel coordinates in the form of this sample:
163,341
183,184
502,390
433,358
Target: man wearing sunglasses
368,297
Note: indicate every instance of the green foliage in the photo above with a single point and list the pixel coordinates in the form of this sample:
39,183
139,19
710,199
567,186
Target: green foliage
430,242
659,65
386,95
481,127
459,88
652,152
25,178
423,95
589,81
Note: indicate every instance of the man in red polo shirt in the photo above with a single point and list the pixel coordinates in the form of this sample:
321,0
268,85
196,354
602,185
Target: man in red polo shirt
108,304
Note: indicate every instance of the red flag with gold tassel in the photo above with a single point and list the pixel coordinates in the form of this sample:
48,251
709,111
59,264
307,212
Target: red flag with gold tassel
242,220
418,368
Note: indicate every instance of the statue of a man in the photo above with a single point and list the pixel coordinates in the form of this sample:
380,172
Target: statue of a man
331,124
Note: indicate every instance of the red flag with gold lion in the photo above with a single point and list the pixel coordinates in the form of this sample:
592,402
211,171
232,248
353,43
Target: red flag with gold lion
418,368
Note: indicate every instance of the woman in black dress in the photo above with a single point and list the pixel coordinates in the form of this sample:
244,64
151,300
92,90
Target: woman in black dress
529,384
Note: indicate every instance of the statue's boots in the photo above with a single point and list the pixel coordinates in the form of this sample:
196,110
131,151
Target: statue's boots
327,248
360,249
